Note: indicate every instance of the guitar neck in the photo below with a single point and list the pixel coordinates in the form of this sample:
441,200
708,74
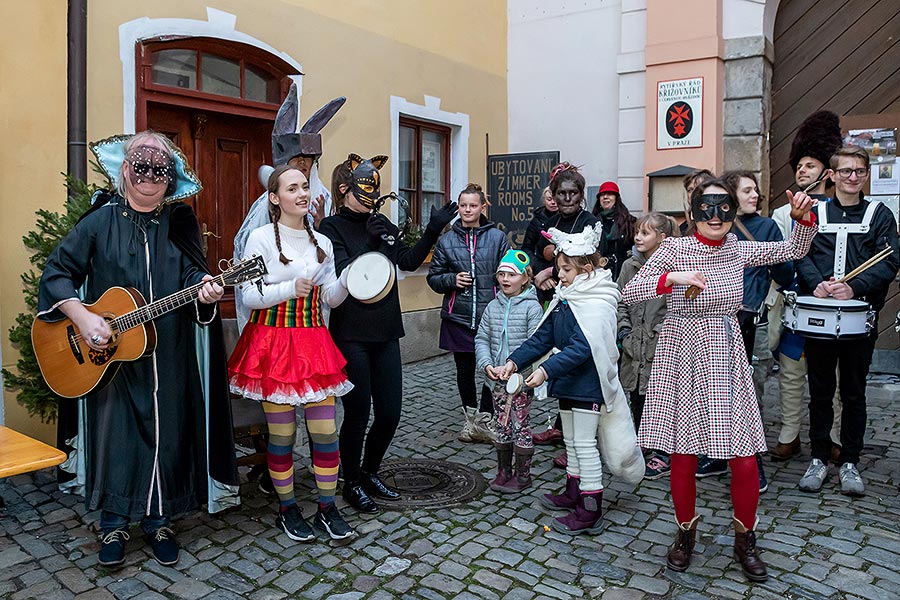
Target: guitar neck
158,308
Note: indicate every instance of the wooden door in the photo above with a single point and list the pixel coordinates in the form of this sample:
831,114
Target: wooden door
837,56
226,151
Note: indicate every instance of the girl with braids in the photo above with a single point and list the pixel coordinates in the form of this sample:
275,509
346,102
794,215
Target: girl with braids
618,226
285,356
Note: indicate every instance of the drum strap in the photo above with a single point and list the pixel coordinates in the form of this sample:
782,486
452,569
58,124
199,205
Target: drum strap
842,231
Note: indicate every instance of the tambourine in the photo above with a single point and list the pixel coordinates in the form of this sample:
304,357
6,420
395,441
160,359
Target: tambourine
370,277
514,384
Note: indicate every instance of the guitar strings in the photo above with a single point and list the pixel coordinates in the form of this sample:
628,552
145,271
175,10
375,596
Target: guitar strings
172,301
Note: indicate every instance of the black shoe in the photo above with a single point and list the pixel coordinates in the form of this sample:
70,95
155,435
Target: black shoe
331,522
292,523
707,467
376,487
357,497
763,484
164,546
112,548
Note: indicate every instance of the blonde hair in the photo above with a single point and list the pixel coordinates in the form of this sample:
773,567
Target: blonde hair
595,260
135,140
658,222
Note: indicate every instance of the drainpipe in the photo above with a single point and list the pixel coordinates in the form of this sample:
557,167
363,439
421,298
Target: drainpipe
76,166
76,155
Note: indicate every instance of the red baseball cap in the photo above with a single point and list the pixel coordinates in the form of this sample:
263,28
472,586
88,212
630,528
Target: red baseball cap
609,186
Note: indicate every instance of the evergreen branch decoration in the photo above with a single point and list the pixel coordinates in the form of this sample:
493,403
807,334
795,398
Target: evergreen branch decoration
51,228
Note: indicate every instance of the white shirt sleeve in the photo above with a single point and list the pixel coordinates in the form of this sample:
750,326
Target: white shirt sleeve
272,292
334,290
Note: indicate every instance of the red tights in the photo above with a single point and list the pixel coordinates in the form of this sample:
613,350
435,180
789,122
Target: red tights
744,487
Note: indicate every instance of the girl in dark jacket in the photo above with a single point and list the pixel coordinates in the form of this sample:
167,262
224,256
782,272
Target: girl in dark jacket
579,329
462,269
618,226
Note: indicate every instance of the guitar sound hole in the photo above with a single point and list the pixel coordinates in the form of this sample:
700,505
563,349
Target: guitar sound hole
101,357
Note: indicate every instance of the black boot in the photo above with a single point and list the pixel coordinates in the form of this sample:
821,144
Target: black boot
357,497
376,487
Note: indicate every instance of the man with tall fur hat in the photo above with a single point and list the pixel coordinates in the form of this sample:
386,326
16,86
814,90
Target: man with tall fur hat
816,140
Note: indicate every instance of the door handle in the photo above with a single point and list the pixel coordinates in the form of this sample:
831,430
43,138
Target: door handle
205,233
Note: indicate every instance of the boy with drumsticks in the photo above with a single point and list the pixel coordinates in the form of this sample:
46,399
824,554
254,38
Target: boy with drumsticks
852,230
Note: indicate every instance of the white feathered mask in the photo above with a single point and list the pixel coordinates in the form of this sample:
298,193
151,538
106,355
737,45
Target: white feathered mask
576,244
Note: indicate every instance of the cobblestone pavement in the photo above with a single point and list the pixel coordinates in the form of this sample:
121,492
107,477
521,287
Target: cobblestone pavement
817,546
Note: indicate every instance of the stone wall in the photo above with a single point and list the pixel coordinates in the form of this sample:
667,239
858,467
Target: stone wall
748,107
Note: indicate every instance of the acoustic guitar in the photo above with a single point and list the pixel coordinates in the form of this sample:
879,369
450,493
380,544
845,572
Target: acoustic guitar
71,368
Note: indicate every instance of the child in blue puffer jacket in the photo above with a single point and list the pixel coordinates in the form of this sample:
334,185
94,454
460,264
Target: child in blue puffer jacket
507,322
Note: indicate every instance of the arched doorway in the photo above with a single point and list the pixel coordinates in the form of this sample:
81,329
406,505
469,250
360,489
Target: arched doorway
843,57
217,100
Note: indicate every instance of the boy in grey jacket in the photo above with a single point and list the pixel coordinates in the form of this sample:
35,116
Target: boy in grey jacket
508,321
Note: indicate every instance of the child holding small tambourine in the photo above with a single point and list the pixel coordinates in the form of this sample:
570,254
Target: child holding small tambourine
507,321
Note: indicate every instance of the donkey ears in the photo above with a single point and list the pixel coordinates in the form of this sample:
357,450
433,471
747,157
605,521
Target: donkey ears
321,117
379,160
286,119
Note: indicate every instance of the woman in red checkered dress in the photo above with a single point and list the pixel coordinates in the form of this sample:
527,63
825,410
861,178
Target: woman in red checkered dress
700,398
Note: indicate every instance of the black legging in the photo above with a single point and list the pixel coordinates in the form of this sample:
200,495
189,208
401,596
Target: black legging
465,382
375,370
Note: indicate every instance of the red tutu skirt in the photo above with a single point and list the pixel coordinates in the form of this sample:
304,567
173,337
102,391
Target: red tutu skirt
287,365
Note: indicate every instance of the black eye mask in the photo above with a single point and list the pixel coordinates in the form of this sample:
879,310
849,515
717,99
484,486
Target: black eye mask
709,206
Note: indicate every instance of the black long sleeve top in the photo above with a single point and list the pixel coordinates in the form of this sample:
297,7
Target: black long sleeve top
355,321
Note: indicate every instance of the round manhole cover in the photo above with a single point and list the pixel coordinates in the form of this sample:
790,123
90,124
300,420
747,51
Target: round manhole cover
426,483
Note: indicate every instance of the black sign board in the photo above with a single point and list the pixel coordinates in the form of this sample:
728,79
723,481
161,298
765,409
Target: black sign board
515,184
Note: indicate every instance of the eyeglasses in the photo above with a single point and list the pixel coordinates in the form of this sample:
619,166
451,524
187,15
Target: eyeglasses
144,169
846,173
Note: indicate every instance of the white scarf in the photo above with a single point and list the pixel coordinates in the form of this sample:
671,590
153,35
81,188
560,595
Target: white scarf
594,299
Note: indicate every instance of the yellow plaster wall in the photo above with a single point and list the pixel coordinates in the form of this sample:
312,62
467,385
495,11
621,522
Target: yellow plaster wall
365,50
33,152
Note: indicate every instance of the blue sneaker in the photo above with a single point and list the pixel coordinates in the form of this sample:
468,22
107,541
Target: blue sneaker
657,466
112,548
164,546
707,467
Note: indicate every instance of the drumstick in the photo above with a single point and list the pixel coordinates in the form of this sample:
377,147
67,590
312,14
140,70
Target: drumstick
866,265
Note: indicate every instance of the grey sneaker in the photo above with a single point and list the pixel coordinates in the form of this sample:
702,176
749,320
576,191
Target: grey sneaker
851,482
483,428
815,476
468,431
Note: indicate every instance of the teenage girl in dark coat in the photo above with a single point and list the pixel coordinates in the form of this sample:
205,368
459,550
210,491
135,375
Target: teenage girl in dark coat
463,270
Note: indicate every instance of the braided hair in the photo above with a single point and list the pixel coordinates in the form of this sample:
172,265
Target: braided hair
275,215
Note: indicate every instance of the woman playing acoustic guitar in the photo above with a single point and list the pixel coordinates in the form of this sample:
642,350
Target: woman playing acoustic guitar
146,431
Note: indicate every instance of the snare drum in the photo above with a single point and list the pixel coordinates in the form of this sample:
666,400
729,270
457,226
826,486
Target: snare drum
370,277
827,318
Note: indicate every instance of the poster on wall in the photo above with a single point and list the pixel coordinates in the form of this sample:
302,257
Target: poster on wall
679,117
515,185
881,145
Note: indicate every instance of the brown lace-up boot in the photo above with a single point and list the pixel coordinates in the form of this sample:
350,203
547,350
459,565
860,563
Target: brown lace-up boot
679,557
745,552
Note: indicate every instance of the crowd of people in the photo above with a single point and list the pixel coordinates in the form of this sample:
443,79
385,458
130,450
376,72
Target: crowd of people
638,328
